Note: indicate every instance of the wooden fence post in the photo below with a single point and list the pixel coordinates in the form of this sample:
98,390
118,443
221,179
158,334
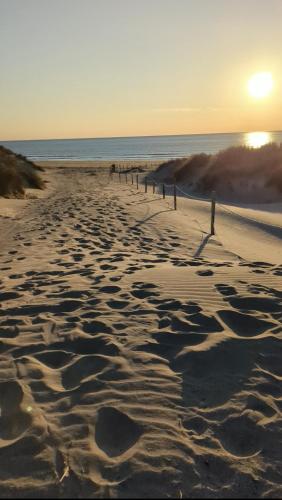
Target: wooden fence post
154,187
126,178
145,184
213,203
174,195
137,181
131,179
119,176
163,191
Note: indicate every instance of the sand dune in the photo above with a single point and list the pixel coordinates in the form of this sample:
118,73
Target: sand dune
17,174
135,361
238,173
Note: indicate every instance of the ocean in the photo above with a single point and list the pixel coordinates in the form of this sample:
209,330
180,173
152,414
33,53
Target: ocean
137,148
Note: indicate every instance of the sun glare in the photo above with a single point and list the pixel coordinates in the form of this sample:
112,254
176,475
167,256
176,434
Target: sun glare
257,139
260,85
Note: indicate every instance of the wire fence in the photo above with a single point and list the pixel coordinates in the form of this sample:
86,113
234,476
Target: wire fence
139,179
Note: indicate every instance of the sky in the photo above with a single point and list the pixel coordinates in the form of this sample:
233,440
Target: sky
110,68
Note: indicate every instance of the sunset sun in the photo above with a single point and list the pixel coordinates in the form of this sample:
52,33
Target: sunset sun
260,85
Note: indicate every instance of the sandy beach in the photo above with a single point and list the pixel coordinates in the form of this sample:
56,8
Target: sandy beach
139,357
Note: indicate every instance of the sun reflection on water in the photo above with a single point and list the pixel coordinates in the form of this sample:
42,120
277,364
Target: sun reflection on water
257,139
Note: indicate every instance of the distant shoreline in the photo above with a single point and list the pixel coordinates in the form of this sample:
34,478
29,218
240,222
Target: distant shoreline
97,163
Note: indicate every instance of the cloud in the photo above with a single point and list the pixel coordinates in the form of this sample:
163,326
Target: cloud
177,110
192,109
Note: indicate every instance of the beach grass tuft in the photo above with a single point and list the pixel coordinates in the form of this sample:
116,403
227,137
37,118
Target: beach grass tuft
17,173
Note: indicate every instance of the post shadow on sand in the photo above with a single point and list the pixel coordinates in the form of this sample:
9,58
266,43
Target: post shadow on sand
147,201
202,245
152,216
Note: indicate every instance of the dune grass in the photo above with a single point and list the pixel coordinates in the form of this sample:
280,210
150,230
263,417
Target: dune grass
17,174
236,171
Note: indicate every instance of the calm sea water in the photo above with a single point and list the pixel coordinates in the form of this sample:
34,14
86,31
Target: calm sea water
137,148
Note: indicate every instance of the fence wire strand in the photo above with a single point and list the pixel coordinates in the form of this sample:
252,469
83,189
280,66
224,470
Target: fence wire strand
190,196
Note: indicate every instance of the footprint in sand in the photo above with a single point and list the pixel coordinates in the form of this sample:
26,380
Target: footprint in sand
179,339
240,436
257,289
260,405
143,290
204,272
117,304
197,322
116,278
81,369
96,327
226,289
195,424
164,322
110,289
108,267
244,325
97,345
115,432
9,296
54,359
263,304
8,333
13,420
168,304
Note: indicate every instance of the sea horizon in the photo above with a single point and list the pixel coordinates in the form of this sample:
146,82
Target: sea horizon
150,147
140,136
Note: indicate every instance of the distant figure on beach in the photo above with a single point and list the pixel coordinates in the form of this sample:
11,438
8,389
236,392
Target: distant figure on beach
112,170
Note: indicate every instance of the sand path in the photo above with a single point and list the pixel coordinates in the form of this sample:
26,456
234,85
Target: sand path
134,360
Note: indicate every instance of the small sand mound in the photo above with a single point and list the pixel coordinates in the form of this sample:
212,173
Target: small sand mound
115,432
